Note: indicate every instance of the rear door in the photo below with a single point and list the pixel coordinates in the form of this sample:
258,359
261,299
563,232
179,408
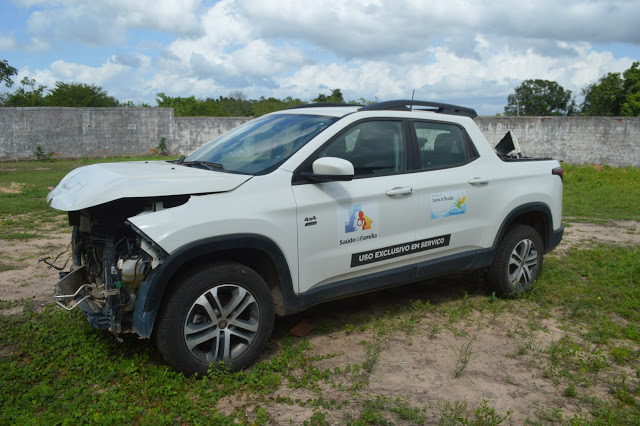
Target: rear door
455,200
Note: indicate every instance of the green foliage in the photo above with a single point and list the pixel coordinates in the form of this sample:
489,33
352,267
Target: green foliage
161,148
376,411
540,98
570,391
6,72
266,105
458,414
614,94
79,95
28,95
464,354
334,97
236,105
592,191
41,155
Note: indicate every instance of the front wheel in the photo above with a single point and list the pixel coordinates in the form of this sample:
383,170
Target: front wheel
219,313
518,261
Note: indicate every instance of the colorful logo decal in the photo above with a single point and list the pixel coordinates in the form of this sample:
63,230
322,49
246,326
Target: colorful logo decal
357,223
357,216
448,204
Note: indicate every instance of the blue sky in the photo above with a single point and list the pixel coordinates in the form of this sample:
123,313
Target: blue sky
472,53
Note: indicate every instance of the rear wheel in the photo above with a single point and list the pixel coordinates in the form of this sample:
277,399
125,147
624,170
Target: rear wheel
220,313
518,261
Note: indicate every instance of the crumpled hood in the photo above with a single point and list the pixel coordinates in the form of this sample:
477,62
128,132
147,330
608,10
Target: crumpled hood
100,183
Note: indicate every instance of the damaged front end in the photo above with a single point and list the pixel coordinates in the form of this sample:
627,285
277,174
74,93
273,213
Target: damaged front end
110,260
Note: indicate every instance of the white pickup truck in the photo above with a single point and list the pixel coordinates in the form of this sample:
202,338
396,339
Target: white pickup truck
295,208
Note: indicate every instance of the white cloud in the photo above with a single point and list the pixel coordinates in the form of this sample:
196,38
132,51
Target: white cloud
78,73
448,50
107,22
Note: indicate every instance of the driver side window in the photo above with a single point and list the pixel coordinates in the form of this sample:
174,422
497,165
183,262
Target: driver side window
373,147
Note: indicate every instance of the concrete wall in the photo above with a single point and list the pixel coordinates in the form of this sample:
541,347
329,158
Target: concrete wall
101,132
191,133
98,132
613,141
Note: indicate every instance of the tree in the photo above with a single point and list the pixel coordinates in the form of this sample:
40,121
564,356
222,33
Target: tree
26,96
631,86
335,97
266,105
604,97
541,98
6,72
79,95
614,94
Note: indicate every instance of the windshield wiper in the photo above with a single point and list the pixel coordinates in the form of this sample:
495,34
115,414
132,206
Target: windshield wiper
202,164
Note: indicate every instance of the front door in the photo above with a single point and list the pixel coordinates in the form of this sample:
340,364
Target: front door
350,229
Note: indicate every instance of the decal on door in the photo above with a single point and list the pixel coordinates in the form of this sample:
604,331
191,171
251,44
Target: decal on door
448,204
378,255
357,223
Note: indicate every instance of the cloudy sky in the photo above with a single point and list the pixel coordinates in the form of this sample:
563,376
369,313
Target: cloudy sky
469,52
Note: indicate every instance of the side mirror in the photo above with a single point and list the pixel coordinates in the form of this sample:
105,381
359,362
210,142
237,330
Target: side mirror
331,169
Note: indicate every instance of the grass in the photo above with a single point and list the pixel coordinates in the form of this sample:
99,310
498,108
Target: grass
24,214
601,192
54,368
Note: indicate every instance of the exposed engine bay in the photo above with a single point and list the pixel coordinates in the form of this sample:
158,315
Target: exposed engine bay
110,260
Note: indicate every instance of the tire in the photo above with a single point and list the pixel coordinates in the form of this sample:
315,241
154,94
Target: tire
219,313
518,261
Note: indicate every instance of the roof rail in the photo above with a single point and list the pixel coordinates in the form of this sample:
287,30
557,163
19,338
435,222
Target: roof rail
407,105
324,105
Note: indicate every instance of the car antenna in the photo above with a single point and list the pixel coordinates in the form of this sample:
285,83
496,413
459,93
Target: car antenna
412,95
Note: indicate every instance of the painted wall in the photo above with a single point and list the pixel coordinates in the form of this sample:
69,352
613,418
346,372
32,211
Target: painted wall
99,132
613,141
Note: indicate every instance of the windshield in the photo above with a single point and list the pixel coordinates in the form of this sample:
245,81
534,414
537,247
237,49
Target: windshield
261,145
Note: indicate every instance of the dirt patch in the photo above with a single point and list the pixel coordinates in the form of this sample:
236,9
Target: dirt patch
28,279
622,232
13,188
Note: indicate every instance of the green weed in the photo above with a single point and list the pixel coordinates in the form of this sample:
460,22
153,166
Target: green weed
458,414
464,354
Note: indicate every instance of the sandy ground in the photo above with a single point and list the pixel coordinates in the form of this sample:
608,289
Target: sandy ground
419,366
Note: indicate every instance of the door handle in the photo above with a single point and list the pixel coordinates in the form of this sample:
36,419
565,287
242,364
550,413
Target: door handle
479,181
399,191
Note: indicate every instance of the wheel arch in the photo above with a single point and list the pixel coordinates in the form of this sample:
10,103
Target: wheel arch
536,215
255,251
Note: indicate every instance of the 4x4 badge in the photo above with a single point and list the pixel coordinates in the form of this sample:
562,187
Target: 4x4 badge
309,221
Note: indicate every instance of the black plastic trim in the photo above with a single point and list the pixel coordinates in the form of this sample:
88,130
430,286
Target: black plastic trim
324,105
529,208
555,238
408,105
